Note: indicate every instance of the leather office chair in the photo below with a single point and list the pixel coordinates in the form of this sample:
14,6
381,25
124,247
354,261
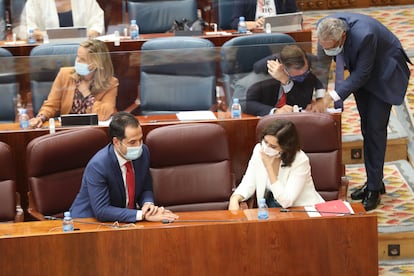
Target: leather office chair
190,167
158,16
240,53
177,74
55,164
45,62
3,19
320,136
8,87
10,209
224,13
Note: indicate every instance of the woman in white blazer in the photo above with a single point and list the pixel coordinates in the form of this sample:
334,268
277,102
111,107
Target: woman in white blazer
42,14
278,170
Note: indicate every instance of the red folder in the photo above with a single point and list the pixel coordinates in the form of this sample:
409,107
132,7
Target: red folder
333,208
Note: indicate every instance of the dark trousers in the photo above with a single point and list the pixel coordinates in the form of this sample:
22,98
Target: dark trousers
375,115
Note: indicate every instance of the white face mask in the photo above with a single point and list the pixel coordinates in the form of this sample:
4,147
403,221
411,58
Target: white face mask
335,51
269,151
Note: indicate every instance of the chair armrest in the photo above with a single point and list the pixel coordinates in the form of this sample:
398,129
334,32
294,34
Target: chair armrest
32,210
343,189
133,106
19,211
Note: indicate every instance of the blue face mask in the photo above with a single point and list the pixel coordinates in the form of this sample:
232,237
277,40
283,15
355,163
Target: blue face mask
133,153
82,68
300,78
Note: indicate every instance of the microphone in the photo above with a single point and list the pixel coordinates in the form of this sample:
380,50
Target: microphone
113,225
283,210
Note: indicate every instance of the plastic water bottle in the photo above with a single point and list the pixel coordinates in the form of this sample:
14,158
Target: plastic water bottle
242,27
30,37
23,118
67,224
236,109
262,212
134,29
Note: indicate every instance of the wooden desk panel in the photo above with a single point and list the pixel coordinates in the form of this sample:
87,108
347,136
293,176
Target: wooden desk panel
240,134
286,244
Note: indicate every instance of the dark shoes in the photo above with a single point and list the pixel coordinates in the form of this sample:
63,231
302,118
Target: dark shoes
371,200
361,192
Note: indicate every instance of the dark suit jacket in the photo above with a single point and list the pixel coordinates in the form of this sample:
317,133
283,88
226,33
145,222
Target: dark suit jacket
261,97
247,8
375,59
102,194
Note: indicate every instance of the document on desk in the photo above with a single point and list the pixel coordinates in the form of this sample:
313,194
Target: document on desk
195,115
330,208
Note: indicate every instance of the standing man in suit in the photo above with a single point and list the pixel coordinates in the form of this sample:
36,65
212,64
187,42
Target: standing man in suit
255,10
106,192
378,78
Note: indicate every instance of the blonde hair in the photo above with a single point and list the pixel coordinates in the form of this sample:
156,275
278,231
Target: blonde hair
98,56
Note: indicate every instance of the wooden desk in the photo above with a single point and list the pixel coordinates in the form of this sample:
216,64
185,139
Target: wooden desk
235,243
240,133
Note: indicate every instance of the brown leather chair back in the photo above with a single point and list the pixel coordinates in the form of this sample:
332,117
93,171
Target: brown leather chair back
55,164
320,136
7,184
190,166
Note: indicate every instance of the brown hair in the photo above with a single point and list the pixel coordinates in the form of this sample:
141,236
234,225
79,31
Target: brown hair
287,136
293,56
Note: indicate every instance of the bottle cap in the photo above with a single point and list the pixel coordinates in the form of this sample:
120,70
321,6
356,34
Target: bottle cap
241,18
235,100
66,214
262,200
133,21
23,111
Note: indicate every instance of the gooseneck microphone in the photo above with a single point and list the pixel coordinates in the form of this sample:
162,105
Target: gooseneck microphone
166,221
110,225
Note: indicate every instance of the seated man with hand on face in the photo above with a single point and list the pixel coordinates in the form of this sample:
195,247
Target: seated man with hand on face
117,184
292,83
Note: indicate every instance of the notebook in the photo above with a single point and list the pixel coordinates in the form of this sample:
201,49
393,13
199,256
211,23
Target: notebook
67,34
287,22
78,119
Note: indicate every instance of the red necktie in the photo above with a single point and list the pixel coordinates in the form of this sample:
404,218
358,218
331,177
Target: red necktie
282,101
130,180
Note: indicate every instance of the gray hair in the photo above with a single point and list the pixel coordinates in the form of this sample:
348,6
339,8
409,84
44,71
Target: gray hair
330,28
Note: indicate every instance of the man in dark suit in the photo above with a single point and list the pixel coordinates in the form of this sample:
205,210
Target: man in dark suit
105,193
253,17
292,78
378,79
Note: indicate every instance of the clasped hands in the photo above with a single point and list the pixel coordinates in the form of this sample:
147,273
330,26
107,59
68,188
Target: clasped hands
150,212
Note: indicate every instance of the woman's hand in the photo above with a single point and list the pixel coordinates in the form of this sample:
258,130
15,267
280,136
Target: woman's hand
35,122
234,203
272,164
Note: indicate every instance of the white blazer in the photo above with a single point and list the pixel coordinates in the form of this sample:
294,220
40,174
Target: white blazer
294,186
42,14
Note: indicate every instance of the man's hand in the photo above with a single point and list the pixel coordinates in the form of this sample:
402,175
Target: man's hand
284,109
320,105
158,214
276,70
